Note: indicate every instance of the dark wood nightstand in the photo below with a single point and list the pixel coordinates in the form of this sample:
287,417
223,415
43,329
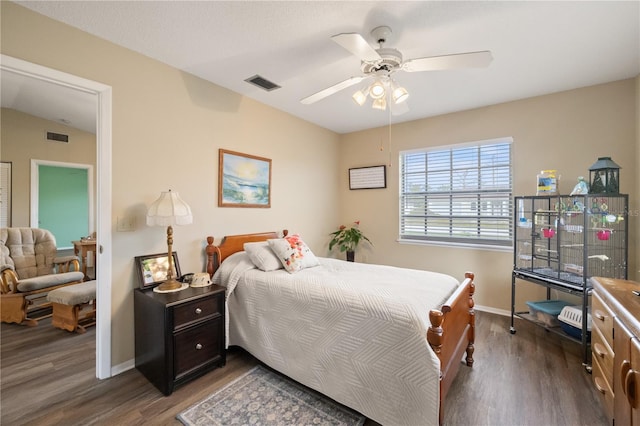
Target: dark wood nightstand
179,336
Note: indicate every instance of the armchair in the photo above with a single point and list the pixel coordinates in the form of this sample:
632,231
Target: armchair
29,269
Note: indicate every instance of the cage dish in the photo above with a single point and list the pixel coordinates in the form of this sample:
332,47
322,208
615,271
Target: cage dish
547,311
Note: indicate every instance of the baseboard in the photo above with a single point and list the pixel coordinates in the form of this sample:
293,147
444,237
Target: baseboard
121,368
491,310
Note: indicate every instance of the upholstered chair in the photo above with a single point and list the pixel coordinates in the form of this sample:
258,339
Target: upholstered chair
30,268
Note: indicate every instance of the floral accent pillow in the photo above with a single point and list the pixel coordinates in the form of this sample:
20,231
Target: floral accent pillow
262,256
294,254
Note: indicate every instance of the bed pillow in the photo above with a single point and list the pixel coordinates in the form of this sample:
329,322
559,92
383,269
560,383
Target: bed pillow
262,256
293,253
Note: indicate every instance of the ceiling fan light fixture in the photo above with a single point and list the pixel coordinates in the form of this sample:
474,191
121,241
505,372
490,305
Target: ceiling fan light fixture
399,94
381,64
379,103
376,90
359,97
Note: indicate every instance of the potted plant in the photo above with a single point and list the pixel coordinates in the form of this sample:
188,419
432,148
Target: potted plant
347,239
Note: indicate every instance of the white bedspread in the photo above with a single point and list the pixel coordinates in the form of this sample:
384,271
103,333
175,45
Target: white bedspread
354,332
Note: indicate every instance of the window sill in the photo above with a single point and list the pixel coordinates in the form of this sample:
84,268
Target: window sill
457,245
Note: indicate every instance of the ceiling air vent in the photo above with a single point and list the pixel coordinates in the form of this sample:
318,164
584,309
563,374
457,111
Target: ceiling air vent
58,137
262,83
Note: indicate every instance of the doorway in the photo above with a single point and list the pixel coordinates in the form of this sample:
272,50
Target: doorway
103,104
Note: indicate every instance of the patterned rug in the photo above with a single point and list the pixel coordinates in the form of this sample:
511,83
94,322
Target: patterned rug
263,397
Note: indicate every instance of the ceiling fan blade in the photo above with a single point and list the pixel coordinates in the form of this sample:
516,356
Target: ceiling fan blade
331,90
357,45
447,62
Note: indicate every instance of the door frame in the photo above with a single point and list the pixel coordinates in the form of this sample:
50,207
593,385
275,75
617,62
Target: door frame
103,95
35,192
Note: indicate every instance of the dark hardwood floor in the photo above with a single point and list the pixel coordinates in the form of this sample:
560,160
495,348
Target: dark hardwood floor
47,377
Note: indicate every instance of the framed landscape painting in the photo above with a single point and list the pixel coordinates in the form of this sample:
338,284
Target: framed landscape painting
243,180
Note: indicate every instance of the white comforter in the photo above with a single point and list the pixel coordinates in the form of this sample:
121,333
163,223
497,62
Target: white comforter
354,332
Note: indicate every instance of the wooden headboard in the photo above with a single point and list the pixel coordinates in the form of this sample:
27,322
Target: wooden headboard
231,244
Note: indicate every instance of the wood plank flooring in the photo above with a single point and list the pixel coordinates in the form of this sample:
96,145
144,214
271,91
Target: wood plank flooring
47,377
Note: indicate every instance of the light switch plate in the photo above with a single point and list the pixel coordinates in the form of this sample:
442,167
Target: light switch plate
126,224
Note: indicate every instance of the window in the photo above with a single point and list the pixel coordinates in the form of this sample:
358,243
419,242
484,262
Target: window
458,194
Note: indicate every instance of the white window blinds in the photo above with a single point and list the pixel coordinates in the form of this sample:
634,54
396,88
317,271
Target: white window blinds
459,194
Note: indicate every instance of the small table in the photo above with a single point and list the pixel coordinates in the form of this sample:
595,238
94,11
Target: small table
179,336
80,248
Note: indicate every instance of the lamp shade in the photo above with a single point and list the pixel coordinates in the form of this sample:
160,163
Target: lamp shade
384,90
169,210
400,94
360,97
380,104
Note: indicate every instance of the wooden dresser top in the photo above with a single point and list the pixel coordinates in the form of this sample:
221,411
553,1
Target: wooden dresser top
618,296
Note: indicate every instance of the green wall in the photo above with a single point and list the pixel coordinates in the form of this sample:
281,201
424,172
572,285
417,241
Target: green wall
63,203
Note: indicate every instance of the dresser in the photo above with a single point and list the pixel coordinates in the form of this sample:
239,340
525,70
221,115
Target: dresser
615,348
179,336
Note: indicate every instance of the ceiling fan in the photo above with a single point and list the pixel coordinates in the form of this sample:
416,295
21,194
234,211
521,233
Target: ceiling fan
380,64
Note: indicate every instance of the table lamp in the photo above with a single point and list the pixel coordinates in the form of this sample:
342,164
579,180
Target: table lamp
169,210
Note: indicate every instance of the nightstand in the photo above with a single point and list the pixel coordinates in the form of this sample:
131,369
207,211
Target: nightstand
179,336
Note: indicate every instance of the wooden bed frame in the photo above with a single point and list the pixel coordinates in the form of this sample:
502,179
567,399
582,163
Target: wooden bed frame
452,330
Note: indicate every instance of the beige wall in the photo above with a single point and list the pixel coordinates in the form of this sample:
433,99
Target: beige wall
22,139
566,131
635,211
167,129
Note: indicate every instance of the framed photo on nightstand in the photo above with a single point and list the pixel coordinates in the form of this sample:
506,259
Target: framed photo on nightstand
153,268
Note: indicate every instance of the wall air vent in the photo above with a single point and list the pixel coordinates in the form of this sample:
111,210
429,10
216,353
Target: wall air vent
262,83
58,137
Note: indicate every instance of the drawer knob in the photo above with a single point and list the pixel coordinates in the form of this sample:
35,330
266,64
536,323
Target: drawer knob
630,388
625,369
599,350
599,386
598,314
198,346
198,311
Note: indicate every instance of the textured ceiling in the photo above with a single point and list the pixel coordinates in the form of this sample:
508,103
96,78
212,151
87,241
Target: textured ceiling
538,47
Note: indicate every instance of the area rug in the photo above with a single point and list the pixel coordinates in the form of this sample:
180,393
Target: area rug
263,397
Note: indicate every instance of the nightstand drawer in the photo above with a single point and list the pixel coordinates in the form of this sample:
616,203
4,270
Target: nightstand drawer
197,310
197,346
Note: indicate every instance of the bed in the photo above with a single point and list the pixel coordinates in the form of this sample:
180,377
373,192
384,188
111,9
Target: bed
371,337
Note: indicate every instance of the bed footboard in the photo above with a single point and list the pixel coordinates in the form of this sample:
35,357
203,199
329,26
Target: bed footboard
452,332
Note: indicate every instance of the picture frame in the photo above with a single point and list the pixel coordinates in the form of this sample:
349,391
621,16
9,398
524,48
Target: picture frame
152,269
244,180
371,177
